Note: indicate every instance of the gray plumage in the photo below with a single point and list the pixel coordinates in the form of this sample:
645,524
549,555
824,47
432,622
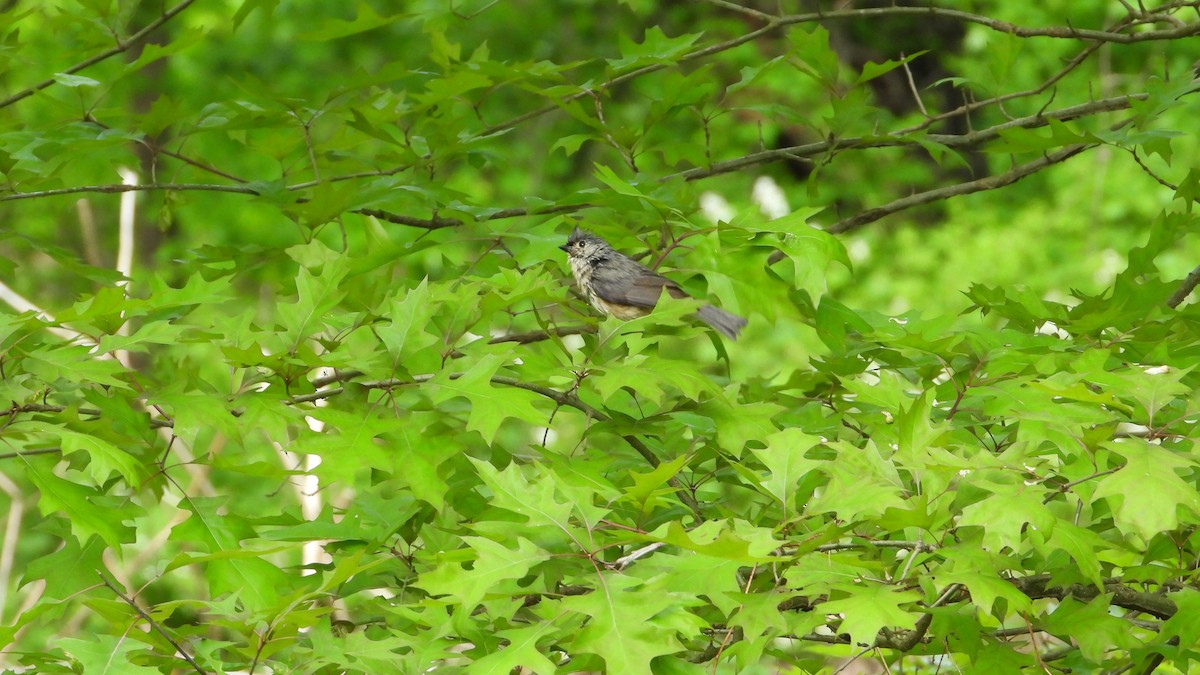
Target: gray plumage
619,285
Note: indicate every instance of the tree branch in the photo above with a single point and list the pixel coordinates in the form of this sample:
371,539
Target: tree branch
437,223
434,223
901,139
129,42
1185,289
17,409
980,185
1154,604
119,188
775,23
1061,32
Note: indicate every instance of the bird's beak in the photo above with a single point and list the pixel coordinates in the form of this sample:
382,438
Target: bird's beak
565,248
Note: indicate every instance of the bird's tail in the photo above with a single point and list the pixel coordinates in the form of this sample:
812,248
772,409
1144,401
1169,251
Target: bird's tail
725,323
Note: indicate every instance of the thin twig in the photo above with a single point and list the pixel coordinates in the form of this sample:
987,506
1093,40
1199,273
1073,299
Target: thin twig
122,46
912,87
748,11
154,624
1150,172
1066,487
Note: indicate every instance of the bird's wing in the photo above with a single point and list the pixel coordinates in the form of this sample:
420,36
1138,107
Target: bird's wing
642,290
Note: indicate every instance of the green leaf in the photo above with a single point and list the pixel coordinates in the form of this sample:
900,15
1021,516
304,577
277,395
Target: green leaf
629,623
647,485
350,444
180,41
872,70
738,425
813,55
105,458
715,539
656,47
83,507
75,80
249,6
521,650
1189,189
570,144
492,566
489,404
874,607
410,317
510,489
1147,494
253,580
834,320
979,571
1185,623
749,75
810,250
68,570
1091,626
317,295
74,363
107,654
1004,516
862,484
366,20
416,456
618,184
786,464
1082,545
917,434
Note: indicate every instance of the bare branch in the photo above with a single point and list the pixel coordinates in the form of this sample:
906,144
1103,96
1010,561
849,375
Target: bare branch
912,88
980,185
1157,605
116,189
748,11
899,139
1185,289
439,223
434,223
1150,172
1061,32
774,23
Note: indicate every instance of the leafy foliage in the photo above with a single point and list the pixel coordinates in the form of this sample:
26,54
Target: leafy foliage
345,413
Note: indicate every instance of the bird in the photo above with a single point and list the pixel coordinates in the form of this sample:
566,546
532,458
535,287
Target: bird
620,286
